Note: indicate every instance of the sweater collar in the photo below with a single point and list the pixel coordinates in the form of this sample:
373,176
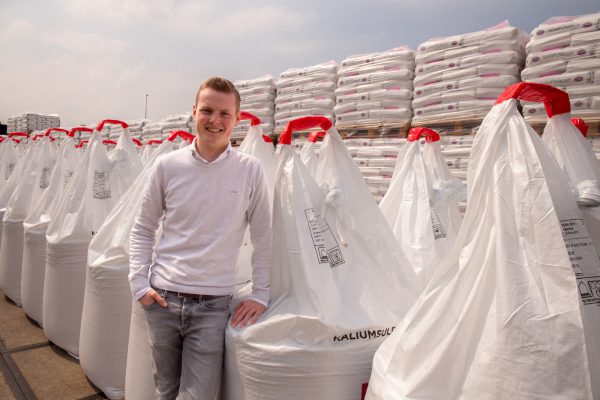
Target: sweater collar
221,157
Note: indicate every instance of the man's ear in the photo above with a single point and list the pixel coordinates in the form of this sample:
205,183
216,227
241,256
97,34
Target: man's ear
194,112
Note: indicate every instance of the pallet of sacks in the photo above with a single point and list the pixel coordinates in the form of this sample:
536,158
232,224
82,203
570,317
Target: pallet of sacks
258,98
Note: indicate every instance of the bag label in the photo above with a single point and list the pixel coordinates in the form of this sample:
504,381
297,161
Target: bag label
327,248
101,186
45,177
438,229
67,174
584,260
364,334
9,170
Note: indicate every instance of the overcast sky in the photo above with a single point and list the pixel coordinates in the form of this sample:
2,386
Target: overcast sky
87,60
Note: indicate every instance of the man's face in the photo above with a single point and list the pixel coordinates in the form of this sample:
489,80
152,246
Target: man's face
216,116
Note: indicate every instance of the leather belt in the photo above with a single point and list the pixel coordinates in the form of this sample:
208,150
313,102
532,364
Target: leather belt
194,296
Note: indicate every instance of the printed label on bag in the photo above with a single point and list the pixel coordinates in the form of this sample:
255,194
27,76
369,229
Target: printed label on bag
45,177
9,170
584,260
438,229
67,174
327,248
364,334
101,185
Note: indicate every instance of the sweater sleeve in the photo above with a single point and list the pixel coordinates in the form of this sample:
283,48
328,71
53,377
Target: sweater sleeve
259,219
143,233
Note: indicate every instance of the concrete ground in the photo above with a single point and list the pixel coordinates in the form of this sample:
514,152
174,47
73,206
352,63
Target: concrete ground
33,368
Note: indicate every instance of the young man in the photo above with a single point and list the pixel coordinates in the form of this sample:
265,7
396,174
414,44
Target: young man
206,195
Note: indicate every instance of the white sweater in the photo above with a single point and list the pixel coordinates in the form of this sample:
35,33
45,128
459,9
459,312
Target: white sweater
206,208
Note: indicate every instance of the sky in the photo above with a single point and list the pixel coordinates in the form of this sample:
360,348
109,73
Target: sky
88,60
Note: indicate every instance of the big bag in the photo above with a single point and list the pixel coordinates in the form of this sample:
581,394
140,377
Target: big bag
32,184
308,154
95,187
36,224
500,318
421,203
107,300
335,267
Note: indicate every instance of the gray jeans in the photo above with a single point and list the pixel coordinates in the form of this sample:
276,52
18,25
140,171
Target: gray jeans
187,339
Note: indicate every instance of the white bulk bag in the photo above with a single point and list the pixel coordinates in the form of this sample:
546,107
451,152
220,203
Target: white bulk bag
36,224
8,160
500,318
32,184
107,301
95,187
421,203
339,283
308,154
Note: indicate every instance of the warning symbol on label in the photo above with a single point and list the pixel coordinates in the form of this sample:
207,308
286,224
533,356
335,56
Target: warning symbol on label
595,288
584,290
101,186
326,246
438,229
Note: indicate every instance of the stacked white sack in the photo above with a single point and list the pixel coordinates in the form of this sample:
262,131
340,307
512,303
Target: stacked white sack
328,313
106,315
35,226
95,187
565,52
180,122
421,203
304,92
258,98
460,77
32,184
29,122
152,131
375,89
500,318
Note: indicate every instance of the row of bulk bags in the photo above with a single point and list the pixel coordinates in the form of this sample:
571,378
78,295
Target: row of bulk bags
107,300
501,317
36,224
335,265
139,381
96,185
33,181
421,203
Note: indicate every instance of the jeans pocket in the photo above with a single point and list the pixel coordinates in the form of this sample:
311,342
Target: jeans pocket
149,306
217,303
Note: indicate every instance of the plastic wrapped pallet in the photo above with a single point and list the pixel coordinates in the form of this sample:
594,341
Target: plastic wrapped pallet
36,224
328,313
375,89
305,91
34,181
565,52
95,187
257,97
459,77
107,301
421,203
500,318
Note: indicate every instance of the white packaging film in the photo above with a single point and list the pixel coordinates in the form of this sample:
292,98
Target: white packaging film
328,313
257,98
500,318
95,187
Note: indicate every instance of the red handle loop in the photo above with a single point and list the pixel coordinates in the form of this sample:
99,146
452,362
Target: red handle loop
581,125
182,134
66,132
23,134
136,141
155,141
17,141
108,141
303,123
111,122
39,135
79,129
555,100
416,134
254,120
81,143
313,137
267,139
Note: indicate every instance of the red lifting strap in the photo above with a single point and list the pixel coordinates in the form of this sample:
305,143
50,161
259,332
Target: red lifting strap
66,132
79,129
23,134
136,141
155,141
254,120
581,125
182,134
36,137
416,134
314,136
108,141
555,100
267,139
111,122
81,143
303,123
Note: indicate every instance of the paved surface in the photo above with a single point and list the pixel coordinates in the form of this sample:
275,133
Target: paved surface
33,368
